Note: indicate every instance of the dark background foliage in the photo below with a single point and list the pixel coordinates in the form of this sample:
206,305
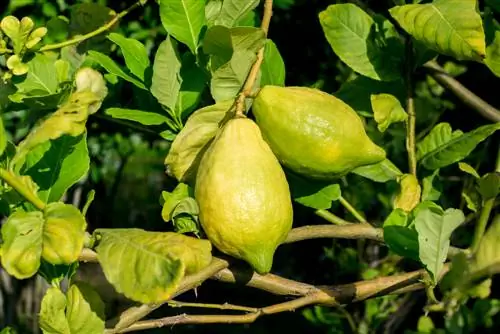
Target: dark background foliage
127,173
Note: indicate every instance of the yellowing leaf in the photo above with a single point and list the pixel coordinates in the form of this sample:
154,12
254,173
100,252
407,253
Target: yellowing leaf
409,193
451,27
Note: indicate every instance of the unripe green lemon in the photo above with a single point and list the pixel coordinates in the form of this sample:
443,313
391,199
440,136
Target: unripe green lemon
313,133
243,195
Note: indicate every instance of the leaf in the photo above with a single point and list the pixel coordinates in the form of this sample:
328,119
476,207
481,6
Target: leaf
494,4
489,186
166,82
451,27
109,65
273,67
181,208
316,195
172,199
140,116
57,235
57,165
188,147
70,119
441,147
233,11
409,193
193,84
17,31
429,192
488,252
41,79
383,171
155,262
134,52
87,17
184,19
370,47
465,167
472,200
434,229
52,318
400,238
212,11
387,110
3,136
55,274
85,310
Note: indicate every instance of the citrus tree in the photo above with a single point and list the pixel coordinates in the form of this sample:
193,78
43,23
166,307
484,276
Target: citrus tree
245,152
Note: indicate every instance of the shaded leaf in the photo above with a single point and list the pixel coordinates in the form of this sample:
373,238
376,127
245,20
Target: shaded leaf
400,238
369,46
488,252
193,84
188,147
451,27
112,67
442,147
383,171
313,194
273,66
140,116
155,262
184,19
489,186
429,192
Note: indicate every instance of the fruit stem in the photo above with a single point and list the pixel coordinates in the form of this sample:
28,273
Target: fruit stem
330,217
246,91
352,210
410,108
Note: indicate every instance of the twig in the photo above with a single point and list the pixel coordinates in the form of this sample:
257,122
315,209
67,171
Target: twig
351,231
330,217
225,306
352,210
13,180
254,71
107,26
465,95
410,108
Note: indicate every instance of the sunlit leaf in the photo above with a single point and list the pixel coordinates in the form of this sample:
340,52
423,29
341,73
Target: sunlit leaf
233,11
313,194
383,171
387,110
134,52
52,318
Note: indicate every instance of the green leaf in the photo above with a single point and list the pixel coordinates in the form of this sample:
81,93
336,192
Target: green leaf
369,46
8,330
273,66
434,227
70,119
465,167
184,19
57,165
313,194
489,186
172,199
109,65
155,262
166,82
55,274
400,238
429,192
140,116
52,318
134,52
387,110
488,252
41,79
57,235
212,11
194,81
383,171
181,208
451,27
3,136
233,11
85,310
188,147
442,147
87,17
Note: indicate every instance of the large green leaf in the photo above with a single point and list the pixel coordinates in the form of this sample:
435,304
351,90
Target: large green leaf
188,147
52,318
313,194
41,78
140,116
80,311
442,147
400,238
184,19
57,235
434,227
166,82
383,171
112,67
451,27
135,54
154,262
57,165
233,11
369,46
273,66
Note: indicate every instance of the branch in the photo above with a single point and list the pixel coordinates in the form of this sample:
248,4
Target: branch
351,231
465,95
254,71
410,108
100,30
